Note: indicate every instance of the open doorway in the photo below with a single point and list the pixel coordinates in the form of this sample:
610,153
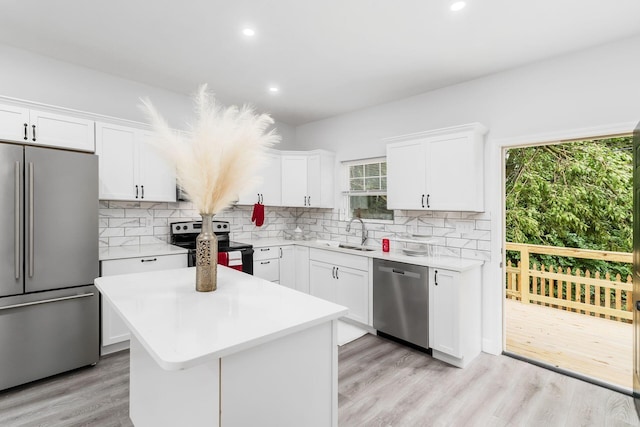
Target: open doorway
569,240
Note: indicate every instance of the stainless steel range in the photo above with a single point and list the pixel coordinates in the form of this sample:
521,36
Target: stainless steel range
232,254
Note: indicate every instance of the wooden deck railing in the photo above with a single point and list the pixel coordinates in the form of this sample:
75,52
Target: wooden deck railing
570,290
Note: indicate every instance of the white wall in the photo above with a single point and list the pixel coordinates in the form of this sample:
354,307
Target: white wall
38,78
599,87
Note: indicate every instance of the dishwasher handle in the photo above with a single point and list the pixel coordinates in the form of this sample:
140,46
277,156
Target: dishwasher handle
400,272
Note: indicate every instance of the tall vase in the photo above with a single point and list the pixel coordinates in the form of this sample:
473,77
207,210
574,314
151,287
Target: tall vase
206,257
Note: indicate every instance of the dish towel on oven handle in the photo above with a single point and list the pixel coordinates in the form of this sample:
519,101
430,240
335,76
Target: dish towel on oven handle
231,259
258,214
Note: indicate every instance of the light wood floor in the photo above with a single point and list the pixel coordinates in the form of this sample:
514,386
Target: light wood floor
591,346
381,383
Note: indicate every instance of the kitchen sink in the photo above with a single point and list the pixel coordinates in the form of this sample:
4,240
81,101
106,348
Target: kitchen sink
355,248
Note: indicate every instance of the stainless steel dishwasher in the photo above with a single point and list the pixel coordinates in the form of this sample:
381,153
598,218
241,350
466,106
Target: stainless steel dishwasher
401,301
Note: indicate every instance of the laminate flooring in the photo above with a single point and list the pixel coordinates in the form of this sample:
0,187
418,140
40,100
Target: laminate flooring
381,383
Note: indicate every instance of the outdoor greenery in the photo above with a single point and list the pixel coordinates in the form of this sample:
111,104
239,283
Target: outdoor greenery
576,195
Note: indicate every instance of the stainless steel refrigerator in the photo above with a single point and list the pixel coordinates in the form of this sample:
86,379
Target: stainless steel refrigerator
49,316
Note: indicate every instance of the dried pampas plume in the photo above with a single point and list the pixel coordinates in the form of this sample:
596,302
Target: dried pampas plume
218,159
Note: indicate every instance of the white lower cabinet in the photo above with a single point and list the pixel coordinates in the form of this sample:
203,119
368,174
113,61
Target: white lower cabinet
343,279
301,265
276,264
454,315
115,334
287,266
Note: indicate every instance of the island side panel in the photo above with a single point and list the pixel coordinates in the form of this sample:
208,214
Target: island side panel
159,398
291,381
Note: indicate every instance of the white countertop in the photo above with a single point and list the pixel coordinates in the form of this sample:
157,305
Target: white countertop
133,251
448,263
181,328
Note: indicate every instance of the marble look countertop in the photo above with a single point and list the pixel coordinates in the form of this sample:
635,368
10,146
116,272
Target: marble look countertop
134,251
445,262
181,328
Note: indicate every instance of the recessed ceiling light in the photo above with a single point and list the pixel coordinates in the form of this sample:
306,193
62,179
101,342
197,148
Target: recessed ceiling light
458,5
249,32
274,89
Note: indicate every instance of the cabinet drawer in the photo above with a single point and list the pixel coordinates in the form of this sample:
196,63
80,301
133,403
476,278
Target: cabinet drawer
339,258
267,269
143,264
270,252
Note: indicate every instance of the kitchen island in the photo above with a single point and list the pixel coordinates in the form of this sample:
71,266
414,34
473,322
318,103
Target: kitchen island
250,353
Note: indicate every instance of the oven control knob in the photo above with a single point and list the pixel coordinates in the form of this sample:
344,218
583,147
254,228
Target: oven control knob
178,227
219,226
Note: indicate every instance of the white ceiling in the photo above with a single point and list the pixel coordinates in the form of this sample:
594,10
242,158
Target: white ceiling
328,57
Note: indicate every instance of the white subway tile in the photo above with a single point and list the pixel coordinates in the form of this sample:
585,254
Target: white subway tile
461,243
124,222
111,232
139,231
112,213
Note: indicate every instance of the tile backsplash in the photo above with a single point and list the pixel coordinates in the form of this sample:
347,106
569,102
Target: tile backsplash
457,234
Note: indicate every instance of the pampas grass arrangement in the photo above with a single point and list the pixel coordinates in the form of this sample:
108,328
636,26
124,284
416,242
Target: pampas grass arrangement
218,159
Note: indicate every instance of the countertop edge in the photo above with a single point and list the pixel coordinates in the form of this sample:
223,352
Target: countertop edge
447,263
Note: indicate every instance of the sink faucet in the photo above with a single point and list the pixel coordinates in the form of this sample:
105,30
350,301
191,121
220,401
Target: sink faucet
364,230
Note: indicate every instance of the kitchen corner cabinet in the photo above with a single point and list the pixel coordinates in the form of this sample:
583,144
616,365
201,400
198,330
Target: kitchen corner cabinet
437,170
269,191
455,334
115,334
130,167
342,279
28,126
307,179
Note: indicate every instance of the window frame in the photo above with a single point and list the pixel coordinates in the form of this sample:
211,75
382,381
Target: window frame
346,192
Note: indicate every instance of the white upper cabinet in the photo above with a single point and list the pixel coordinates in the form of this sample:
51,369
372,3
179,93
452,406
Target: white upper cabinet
406,174
269,191
130,168
307,179
36,127
294,180
437,170
157,177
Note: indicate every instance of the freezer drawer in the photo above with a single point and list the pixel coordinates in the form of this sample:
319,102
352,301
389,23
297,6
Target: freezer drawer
47,333
401,301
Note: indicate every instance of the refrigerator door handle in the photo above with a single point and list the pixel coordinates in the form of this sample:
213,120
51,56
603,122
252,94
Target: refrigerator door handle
46,301
17,220
30,219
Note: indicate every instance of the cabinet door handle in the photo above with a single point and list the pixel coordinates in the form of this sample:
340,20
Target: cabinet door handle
337,273
25,132
34,132
280,252
136,191
333,272
435,278
305,200
149,260
265,249
265,262
262,198
422,201
309,200
428,201
142,188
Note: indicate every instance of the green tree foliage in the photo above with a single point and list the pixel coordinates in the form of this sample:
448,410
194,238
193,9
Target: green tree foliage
576,195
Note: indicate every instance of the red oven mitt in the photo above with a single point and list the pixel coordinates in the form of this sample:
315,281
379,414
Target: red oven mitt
258,214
